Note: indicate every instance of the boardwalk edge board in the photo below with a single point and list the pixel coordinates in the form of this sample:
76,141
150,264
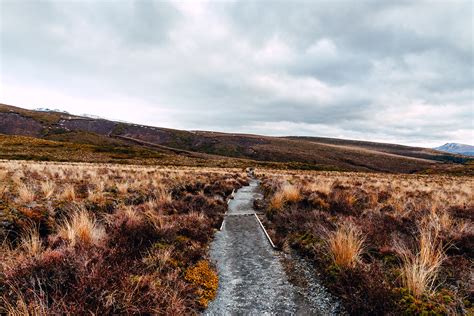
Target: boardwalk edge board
265,231
222,224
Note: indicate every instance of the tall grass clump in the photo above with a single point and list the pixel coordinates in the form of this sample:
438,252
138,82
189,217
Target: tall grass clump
3,174
123,187
30,242
419,268
47,188
163,196
82,228
96,196
277,201
3,189
291,193
69,193
26,194
345,245
286,193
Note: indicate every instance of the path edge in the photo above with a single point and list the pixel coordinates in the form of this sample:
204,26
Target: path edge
265,231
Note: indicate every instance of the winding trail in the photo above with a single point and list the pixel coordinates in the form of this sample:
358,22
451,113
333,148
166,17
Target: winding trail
253,277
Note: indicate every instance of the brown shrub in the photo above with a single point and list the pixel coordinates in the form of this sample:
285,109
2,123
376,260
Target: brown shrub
206,280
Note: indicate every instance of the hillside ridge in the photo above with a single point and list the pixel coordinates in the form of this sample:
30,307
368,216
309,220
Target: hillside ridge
315,153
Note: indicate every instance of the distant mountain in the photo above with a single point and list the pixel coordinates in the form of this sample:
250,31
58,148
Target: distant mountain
456,148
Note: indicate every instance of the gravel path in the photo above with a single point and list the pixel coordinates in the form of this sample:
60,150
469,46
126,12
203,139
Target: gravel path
254,278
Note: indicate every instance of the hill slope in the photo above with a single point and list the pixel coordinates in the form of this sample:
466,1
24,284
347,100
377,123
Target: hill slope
293,152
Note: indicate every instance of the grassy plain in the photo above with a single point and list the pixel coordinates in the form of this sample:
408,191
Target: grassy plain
384,244
82,238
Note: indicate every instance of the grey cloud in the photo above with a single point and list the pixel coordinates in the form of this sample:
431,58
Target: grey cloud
395,70
140,22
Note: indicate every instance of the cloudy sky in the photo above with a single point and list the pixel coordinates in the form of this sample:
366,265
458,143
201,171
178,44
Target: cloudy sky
394,71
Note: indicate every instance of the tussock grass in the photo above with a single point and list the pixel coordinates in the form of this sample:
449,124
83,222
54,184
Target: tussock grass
131,216
159,222
23,306
286,193
3,174
69,193
163,196
96,196
82,228
319,184
151,205
277,201
122,187
26,194
31,242
3,189
158,259
291,192
48,188
345,245
420,268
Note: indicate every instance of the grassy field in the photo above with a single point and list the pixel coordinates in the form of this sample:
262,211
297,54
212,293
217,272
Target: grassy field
120,238
109,239
100,150
384,244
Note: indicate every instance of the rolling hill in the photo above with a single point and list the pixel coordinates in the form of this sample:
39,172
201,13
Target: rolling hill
231,149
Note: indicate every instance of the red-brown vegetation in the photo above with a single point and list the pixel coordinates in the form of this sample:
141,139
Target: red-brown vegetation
106,239
384,244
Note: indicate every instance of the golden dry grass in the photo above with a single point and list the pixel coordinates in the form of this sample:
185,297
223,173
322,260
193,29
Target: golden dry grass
420,268
123,187
291,193
439,191
26,194
163,196
69,193
48,188
30,242
287,193
96,196
82,228
417,231
345,245
24,307
277,201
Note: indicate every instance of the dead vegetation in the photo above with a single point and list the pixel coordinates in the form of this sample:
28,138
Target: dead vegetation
108,239
385,244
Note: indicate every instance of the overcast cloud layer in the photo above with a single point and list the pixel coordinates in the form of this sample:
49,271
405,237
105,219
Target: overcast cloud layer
395,71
